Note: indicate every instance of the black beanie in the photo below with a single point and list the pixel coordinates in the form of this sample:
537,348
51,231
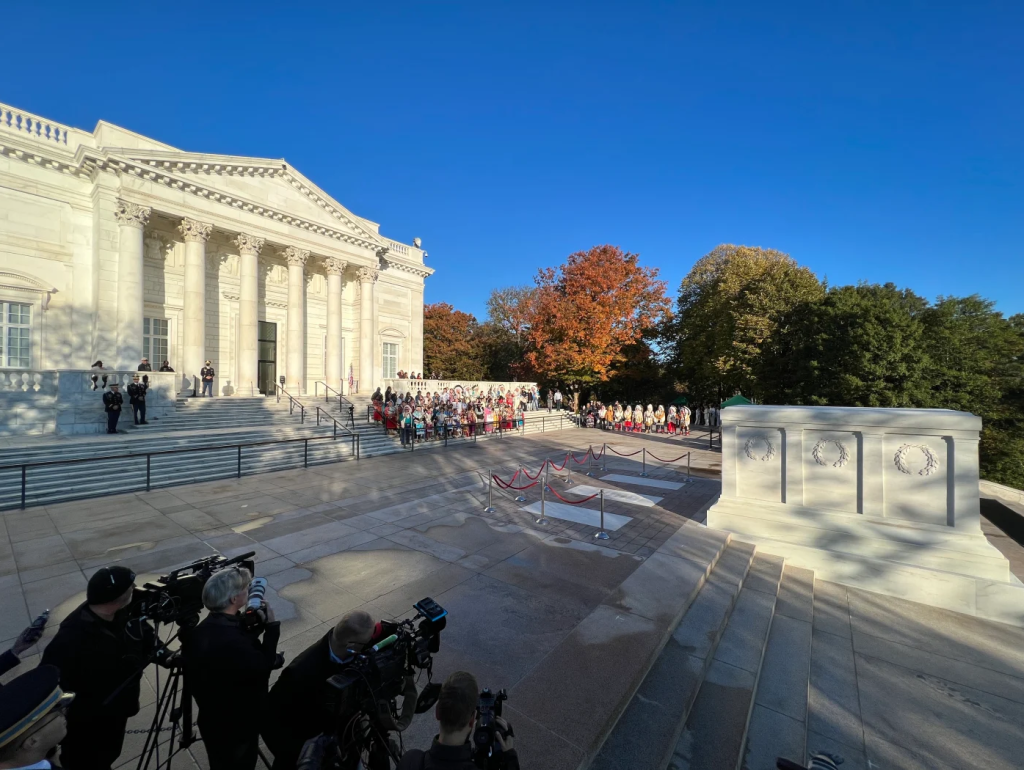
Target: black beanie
108,584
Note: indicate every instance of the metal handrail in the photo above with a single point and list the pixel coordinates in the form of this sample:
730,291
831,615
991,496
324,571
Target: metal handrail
292,403
342,401
337,422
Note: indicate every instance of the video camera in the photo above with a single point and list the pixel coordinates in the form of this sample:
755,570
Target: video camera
361,699
485,742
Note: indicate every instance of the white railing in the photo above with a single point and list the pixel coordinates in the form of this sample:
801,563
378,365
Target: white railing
43,383
398,248
29,126
432,386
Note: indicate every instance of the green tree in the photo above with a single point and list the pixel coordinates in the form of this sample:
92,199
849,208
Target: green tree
729,306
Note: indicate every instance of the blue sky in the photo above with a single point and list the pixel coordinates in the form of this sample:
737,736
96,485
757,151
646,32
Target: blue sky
876,141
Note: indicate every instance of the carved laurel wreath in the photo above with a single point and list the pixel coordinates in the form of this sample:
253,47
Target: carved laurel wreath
844,453
753,441
931,463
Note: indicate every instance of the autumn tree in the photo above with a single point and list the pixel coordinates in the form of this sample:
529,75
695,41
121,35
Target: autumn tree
729,306
451,343
589,311
504,336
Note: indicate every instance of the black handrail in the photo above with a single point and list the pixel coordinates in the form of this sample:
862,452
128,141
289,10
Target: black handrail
342,401
292,403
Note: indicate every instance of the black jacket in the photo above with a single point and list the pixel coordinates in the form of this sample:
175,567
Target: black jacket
207,373
145,367
228,671
8,661
95,657
137,393
296,710
112,401
440,757
166,368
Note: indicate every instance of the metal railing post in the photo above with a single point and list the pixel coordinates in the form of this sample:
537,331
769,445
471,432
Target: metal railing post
590,471
543,488
239,461
305,453
687,465
302,414
357,446
147,472
521,498
644,471
601,534
24,477
490,480
568,468
604,457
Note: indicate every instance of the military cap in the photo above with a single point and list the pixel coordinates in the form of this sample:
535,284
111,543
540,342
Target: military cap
108,583
29,698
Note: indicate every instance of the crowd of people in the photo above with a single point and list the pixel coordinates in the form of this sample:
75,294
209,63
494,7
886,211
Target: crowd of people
637,419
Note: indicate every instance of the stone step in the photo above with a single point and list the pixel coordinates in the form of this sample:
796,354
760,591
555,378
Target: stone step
716,727
645,735
778,720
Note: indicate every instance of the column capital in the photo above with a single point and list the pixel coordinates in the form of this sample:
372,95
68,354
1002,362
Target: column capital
248,245
367,275
132,214
335,266
295,257
194,231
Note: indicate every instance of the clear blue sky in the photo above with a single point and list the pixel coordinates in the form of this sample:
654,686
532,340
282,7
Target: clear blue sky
877,141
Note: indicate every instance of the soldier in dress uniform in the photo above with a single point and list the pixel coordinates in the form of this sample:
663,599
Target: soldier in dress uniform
207,374
32,721
137,398
112,401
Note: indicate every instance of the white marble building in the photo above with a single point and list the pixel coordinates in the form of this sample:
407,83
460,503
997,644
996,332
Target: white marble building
114,246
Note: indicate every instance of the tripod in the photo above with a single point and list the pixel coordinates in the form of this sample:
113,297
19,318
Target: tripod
180,714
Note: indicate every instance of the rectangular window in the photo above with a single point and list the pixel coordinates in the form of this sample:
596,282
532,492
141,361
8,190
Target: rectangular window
15,334
390,360
154,341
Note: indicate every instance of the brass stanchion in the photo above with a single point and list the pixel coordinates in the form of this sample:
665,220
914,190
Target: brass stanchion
543,488
521,498
490,481
602,535
568,468
644,471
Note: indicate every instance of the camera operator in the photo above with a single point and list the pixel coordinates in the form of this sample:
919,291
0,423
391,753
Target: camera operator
228,670
102,665
296,710
456,712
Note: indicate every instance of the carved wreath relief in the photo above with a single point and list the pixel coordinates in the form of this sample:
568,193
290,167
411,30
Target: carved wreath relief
818,452
931,462
753,441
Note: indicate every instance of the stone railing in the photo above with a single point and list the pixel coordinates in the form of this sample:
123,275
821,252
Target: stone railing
477,386
27,381
396,247
35,128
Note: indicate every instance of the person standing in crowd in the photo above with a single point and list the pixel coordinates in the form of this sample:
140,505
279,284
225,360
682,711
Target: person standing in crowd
33,720
144,366
684,420
671,419
659,419
137,398
207,374
551,399
558,399
112,401
166,366
96,655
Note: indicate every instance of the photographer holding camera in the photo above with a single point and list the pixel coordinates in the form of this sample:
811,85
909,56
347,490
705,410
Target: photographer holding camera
102,664
296,710
228,668
456,711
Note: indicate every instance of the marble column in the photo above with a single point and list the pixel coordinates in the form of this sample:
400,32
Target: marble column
295,374
367,335
334,364
194,316
132,219
248,313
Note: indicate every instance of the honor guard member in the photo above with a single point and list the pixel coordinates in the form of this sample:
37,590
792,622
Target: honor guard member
102,663
207,374
32,719
112,401
137,398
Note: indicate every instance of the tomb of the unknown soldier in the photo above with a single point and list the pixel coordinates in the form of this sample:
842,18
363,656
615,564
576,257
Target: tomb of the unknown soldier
766,582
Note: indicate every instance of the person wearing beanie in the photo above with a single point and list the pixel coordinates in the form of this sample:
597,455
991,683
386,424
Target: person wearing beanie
95,656
32,718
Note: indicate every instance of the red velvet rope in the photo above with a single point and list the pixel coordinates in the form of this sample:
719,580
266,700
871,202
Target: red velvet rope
651,454
580,462
558,467
572,502
626,454
503,485
527,473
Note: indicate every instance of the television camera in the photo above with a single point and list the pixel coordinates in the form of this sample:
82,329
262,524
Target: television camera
362,698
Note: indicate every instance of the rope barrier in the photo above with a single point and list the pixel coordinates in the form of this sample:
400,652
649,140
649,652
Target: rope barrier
531,478
580,462
559,467
572,502
626,454
503,485
667,461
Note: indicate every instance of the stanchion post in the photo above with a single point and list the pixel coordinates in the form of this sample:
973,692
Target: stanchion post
590,469
601,534
543,488
568,468
521,498
644,471
687,465
490,481
604,457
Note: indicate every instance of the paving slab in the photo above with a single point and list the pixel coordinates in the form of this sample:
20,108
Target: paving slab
619,495
642,481
742,643
772,735
832,608
578,514
833,697
796,593
713,733
783,684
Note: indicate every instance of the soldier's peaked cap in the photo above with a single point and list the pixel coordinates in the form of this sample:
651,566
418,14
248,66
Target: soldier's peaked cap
27,699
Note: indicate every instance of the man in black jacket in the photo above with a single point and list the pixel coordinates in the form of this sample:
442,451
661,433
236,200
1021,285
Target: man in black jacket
456,713
112,401
145,366
228,670
206,374
137,398
95,657
296,710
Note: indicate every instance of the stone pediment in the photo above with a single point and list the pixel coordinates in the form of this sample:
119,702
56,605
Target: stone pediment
271,188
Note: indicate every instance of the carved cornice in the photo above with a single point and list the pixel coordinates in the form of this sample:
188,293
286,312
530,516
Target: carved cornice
194,231
367,275
132,214
249,245
335,266
234,297
418,270
295,257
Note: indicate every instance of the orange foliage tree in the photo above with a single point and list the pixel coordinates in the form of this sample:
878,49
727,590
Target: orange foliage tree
589,311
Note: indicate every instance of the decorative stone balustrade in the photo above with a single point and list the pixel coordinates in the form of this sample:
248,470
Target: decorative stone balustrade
473,386
33,127
396,247
28,381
